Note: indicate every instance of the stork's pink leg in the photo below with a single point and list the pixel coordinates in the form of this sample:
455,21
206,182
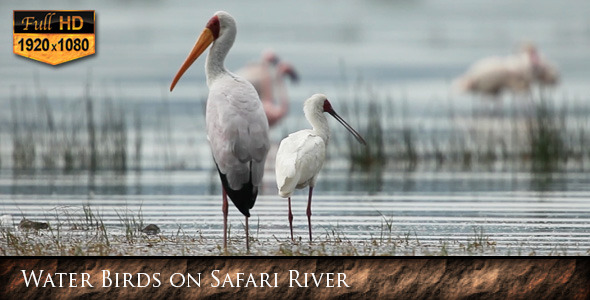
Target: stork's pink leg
247,237
309,211
291,220
224,209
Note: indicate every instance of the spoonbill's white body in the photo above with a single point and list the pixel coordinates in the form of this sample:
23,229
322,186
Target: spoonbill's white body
301,155
237,128
268,78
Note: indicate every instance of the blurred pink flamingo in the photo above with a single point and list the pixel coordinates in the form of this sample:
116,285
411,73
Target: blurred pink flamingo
515,73
268,78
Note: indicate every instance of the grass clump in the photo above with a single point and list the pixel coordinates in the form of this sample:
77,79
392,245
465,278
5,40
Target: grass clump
54,135
547,134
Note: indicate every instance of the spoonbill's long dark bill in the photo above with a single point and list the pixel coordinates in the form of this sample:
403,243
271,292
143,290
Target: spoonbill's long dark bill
237,128
301,155
268,77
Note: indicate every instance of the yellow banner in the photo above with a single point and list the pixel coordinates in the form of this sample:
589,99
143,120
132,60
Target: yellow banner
54,48
54,37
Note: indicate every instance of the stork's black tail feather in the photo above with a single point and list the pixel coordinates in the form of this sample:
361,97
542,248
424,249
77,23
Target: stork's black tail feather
243,198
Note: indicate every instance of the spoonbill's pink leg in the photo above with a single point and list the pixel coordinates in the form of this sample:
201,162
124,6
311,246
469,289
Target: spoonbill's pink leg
291,220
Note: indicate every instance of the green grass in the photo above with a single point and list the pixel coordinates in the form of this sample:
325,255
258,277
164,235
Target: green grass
547,138
98,133
82,232
535,136
90,134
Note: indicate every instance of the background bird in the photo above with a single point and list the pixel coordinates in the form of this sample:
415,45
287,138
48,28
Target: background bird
301,155
515,73
237,128
268,78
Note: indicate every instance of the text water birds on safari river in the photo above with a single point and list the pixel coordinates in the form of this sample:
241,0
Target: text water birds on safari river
267,75
301,155
237,128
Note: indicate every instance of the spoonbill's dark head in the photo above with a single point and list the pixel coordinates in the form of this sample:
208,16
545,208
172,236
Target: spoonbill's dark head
319,103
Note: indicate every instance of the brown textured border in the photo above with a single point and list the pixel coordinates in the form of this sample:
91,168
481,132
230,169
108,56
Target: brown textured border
399,278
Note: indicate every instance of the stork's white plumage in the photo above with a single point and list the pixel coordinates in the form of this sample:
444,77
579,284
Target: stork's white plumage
237,128
268,78
301,155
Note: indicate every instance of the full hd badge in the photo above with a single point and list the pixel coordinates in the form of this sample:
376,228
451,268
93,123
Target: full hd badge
54,36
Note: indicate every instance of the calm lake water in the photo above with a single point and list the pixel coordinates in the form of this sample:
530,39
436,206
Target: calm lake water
402,52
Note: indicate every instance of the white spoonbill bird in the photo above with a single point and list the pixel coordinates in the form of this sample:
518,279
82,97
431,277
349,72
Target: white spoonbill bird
516,73
268,78
237,128
301,155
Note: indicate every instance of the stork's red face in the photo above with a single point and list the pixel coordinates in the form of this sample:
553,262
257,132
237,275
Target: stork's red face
209,34
213,25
